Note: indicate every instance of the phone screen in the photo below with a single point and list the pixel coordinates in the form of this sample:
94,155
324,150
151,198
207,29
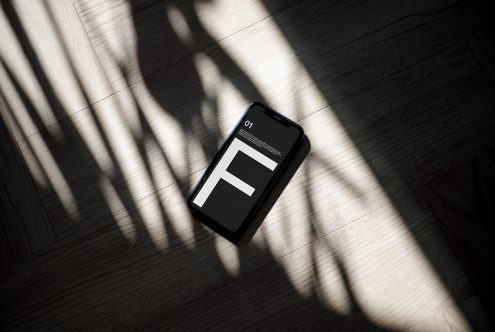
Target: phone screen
260,144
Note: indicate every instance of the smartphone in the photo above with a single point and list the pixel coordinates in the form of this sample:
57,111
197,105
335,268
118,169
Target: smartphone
245,169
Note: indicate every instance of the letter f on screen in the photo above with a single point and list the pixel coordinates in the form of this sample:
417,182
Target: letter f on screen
220,171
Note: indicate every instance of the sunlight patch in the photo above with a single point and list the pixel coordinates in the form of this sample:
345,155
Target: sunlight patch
179,24
228,254
55,177
118,210
224,104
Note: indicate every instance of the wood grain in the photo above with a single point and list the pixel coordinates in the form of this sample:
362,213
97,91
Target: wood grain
437,322
339,56
339,65
389,93
320,291
463,203
484,51
472,307
153,28
332,161
45,47
24,226
435,92
123,284
444,321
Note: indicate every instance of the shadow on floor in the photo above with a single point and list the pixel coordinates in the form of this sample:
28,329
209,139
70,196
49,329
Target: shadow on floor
100,279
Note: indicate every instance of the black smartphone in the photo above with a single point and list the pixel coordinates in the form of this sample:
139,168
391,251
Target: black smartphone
245,169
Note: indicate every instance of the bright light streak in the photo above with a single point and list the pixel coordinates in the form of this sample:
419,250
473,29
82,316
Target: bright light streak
339,188
333,198
119,211
54,176
179,24
229,255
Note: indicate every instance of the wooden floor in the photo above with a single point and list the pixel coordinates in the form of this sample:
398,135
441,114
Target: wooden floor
111,111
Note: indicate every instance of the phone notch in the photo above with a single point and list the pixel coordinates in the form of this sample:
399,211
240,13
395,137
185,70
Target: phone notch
277,118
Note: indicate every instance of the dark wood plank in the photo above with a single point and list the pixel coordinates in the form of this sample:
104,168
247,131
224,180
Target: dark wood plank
337,55
13,242
463,203
318,31
55,156
24,227
347,46
445,99
190,262
483,48
156,28
96,278
422,121
276,297
46,47
105,282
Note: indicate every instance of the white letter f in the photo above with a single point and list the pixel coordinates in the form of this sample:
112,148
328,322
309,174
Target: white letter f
220,171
